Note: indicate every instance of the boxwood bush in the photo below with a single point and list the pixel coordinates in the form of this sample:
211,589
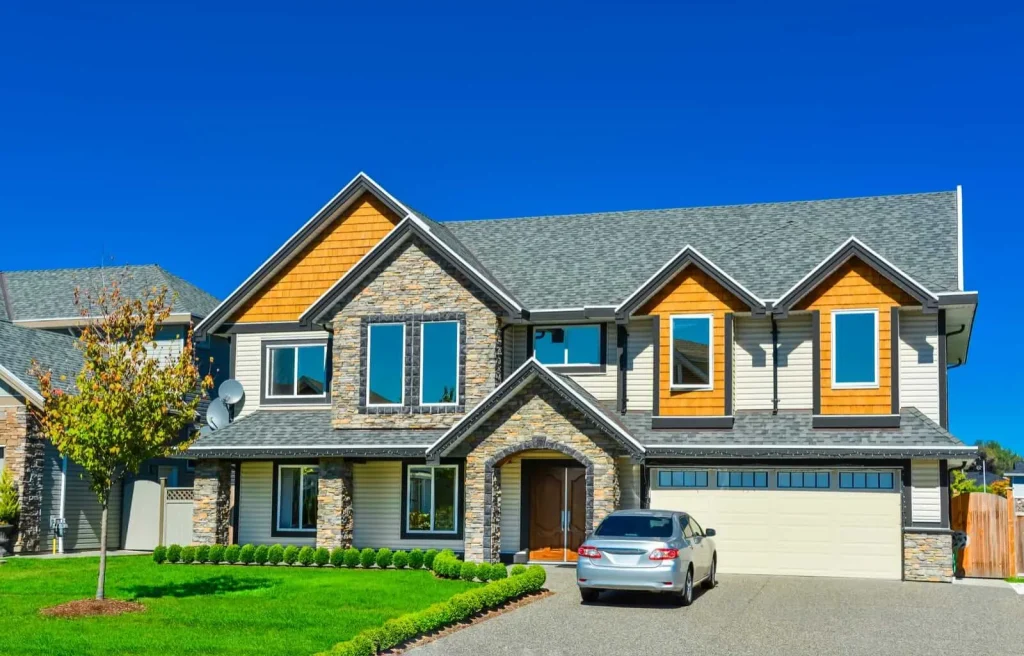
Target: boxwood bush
351,557
159,554
202,553
400,560
428,558
483,572
291,554
322,556
518,569
367,557
275,554
247,554
306,555
173,553
232,554
384,558
416,558
498,572
261,555
338,557
468,572
188,555
216,553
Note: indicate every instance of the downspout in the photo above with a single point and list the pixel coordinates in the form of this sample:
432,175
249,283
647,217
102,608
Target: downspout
775,366
63,497
962,328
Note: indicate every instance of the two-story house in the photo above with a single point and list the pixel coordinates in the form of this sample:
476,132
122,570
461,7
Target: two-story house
39,321
498,387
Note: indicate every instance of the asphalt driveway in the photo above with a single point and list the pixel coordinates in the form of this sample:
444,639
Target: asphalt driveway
759,615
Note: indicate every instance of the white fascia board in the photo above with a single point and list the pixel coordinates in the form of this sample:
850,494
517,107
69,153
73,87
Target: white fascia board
858,447
960,237
306,446
21,387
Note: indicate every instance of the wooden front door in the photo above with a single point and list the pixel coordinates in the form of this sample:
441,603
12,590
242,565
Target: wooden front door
558,502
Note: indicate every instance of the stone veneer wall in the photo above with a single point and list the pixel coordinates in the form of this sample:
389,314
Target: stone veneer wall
413,281
537,418
927,557
211,505
1018,503
334,504
23,456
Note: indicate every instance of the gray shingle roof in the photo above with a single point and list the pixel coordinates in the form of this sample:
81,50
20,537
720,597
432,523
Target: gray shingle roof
599,259
49,293
58,353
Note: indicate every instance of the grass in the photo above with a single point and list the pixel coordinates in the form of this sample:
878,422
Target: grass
1015,579
202,609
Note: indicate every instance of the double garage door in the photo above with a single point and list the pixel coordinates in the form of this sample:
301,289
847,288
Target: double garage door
805,522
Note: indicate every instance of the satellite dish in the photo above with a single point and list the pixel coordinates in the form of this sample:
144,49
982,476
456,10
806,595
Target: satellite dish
231,391
217,415
204,431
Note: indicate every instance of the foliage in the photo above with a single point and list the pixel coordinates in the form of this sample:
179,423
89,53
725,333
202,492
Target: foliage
306,555
159,554
518,569
459,608
419,521
960,484
202,553
998,459
416,558
10,506
291,554
469,571
384,558
247,554
232,553
188,555
367,557
498,572
400,560
275,554
428,558
216,553
173,553
261,555
322,556
352,557
483,572
1000,487
338,557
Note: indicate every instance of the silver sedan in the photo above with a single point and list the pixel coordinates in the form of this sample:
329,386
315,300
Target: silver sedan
647,550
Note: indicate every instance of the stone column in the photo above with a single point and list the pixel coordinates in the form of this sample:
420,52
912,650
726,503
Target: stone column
334,517
928,557
211,505
475,514
24,457
492,528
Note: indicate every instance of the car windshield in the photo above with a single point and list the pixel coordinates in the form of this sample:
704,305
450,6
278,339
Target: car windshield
635,526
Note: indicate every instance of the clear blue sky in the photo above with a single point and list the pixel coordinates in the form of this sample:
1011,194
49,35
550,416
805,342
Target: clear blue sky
201,139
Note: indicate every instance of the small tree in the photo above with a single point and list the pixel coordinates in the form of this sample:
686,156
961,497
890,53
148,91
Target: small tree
128,406
9,504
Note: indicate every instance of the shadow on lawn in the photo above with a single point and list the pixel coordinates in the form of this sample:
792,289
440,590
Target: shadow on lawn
210,586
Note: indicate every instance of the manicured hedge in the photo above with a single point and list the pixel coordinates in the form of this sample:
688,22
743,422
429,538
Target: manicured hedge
202,553
247,555
159,554
232,554
291,554
384,558
322,556
416,559
173,553
275,554
216,553
400,560
351,557
261,555
367,557
338,557
188,555
457,609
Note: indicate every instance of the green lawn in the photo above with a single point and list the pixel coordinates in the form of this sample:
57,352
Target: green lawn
204,609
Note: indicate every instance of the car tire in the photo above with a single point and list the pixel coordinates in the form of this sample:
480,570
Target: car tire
685,596
589,595
712,580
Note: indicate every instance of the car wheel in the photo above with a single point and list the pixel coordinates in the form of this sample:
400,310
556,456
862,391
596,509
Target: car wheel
685,596
712,580
589,595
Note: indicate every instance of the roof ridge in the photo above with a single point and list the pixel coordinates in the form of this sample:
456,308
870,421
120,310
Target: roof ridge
88,268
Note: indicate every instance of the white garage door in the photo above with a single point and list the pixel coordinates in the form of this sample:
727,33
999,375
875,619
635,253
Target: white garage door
800,522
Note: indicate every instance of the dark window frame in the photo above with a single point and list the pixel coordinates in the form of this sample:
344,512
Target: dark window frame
265,347
275,494
753,486
600,367
460,476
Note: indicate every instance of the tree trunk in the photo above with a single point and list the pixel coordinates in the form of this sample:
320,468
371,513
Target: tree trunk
101,585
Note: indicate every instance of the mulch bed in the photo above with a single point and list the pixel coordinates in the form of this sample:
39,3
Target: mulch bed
482,617
92,607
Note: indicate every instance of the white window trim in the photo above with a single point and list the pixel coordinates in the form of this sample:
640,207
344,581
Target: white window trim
433,499
458,363
711,352
277,520
565,360
878,356
369,376
270,371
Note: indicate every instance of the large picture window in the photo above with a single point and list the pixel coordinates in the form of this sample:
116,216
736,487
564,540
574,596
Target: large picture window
692,352
296,497
439,363
855,349
386,364
296,371
432,499
568,345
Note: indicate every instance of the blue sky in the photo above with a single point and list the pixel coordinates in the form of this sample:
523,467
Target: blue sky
201,138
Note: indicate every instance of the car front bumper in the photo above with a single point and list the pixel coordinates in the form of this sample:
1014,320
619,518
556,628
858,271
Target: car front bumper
670,576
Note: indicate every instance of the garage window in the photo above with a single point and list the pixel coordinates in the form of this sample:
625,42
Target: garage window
743,479
803,480
670,479
866,480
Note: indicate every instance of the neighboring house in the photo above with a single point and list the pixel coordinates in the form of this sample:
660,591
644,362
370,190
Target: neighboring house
40,321
1016,476
983,478
499,387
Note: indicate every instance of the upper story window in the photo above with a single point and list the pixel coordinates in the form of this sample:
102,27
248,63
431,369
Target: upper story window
692,355
386,364
439,363
569,346
855,349
295,371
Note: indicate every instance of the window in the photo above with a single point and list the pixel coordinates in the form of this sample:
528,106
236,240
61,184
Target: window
386,364
741,479
296,497
635,526
692,355
439,363
568,345
697,530
432,494
687,530
804,480
682,478
866,480
296,371
855,349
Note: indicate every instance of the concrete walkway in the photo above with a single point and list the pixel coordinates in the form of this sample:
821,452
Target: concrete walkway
756,615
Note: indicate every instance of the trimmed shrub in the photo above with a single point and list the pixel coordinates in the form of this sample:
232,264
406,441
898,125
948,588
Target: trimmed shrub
468,572
247,554
232,554
216,553
261,555
518,569
416,558
173,553
275,554
351,557
483,572
291,554
202,553
306,555
188,555
338,557
498,572
428,558
322,556
384,557
400,560
159,555
367,557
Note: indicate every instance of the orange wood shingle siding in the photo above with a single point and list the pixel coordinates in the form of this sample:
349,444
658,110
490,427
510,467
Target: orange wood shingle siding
321,263
856,286
692,292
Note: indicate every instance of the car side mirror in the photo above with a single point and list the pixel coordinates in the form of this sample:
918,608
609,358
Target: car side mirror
709,532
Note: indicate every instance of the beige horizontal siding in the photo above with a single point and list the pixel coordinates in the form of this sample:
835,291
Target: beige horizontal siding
640,365
925,494
82,510
255,507
248,361
514,353
602,385
753,363
629,484
511,504
919,363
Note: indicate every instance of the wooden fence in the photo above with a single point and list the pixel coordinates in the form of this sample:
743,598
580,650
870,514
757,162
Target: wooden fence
992,531
1020,544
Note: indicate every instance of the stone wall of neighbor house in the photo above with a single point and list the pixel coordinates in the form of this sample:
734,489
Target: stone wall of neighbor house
928,557
1018,503
211,504
411,286
334,516
23,456
537,418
